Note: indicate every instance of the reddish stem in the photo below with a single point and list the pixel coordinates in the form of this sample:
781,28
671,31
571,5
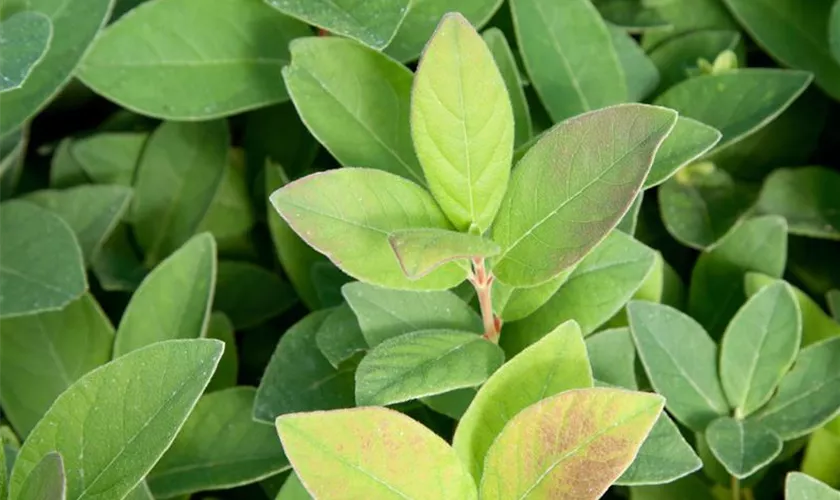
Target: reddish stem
483,283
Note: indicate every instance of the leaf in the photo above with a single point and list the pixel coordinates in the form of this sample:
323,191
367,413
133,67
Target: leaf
640,74
347,214
277,134
688,488
628,223
759,347
385,314
339,338
299,378
678,55
742,447
179,173
42,263
92,212
46,481
805,198
664,457
117,265
249,294
65,170
227,370
832,297
509,69
629,15
150,391
587,73
110,158
594,430
685,16
808,395
822,455
453,404
328,280
356,102
74,27
688,141
554,364
613,357
799,486
339,454
680,360
230,216
737,103
173,301
219,447
26,38
595,291
424,363
420,251
522,302
717,291
293,489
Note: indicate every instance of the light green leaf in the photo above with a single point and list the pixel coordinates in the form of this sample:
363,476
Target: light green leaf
336,454
173,301
219,447
509,69
178,176
224,61
677,57
806,198
424,363
347,214
799,486
249,294
832,297
613,357
586,73
628,223
758,347
689,15
150,392
141,492
110,158
665,456
462,124
680,360
293,489
46,481
822,456
808,395
42,266
688,141
742,447
339,338
547,221
640,73
299,378
3,470
717,290
554,364
26,38
420,251
519,303
617,422
227,371
117,265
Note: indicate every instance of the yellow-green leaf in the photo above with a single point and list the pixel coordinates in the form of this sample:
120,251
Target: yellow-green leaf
421,251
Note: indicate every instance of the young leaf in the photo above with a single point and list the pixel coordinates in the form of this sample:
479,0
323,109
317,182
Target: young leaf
340,454
680,360
799,486
509,69
110,158
688,141
347,214
299,378
613,357
424,363
587,74
758,347
742,447
227,371
26,39
219,447
519,303
676,56
462,124
806,198
554,364
249,294
596,430
384,314
47,480
175,297
42,262
560,175
228,53
339,338
640,74
420,251
150,392
356,102
665,456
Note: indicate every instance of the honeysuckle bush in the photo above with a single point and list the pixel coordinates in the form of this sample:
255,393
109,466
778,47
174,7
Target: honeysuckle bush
419,249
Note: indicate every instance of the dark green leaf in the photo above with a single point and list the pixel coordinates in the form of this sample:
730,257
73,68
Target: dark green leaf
26,39
677,57
630,15
687,488
807,198
249,294
227,371
613,357
640,73
117,265
665,456
688,141
508,67
742,447
339,337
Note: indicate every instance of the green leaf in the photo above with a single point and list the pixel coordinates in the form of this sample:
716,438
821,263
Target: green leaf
586,73
293,489
628,223
596,430
737,103
665,456
420,251
453,404
173,301
42,263
347,214
424,363
150,392
613,357
117,265
832,297
249,294
4,479
229,53
640,73
680,360
799,486
560,175
356,102
806,198
328,280
92,212
717,291
462,124
65,170
219,447
677,57
230,216
141,492
278,134
554,364
299,378
74,27
179,173
759,347
688,141
822,455
808,395
631,16
384,314
72,342
339,338
509,69
742,447
227,371
688,488
110,158
26,38
46,481
334,456
522,302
